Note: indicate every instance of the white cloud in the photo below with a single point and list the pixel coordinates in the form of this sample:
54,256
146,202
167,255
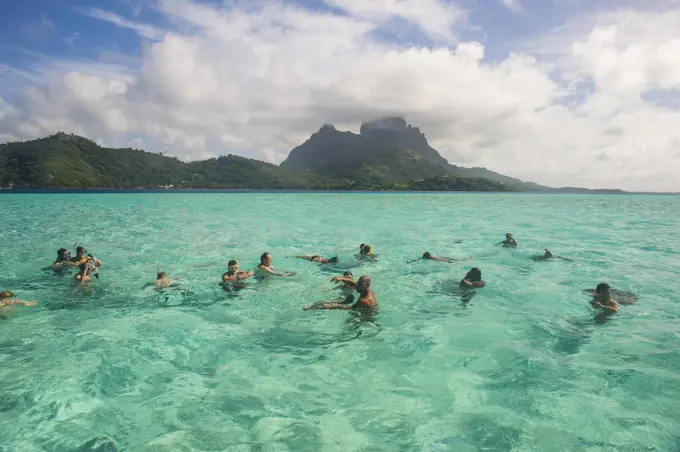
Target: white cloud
435,17
514,5
72,38
143,30
258,79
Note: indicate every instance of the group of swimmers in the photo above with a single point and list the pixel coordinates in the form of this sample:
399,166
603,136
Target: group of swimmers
234,279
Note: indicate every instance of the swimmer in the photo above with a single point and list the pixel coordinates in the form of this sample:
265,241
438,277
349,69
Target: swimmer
367,299
63,258
233,275
429,257
7,303
549,255
87,268
365,249
81,255
472,279
162,280
320,259
347,281
623,297
265,269
7,300
603,301
509,241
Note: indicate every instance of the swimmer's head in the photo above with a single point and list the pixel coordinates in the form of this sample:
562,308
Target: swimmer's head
161,275
427,255
232,264
603,289
334,260
363,283
348,275
508,236
81,251
6,294
548,253
265,259
475,274
366,249
63,254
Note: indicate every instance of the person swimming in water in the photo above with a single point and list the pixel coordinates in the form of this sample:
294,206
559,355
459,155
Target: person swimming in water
320,259
622,297
63,258
80,257
367,299
549,255
509,241
88,268
603,300
346,283
473,279
162,280
365,249
6,299
427,256
7,302
366,253
234,275
265,269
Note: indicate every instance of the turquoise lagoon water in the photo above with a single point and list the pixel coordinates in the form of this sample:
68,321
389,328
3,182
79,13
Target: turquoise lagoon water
522,367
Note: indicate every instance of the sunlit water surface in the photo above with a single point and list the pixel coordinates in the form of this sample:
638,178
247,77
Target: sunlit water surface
522,367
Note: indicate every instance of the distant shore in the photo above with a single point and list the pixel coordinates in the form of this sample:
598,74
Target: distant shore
56,191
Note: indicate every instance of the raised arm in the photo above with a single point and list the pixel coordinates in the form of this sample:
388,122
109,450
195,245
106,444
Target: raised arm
340,279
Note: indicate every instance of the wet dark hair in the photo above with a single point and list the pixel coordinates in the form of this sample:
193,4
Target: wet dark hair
346,274
161,275
602,286
263,257
334,260
365,249
81,249
6,294
474,272
62,254
232,263
427,255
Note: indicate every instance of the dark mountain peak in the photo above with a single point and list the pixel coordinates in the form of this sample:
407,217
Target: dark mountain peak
330,146
393,123
327,128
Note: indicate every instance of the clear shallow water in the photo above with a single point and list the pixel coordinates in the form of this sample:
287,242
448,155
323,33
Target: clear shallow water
522,367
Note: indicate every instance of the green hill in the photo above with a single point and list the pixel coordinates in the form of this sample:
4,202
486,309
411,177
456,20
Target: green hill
70,161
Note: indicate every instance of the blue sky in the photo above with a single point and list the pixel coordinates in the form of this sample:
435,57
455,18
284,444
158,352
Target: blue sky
33,29
537,89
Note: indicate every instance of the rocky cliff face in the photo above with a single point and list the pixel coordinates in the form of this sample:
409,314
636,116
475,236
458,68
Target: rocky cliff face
329,146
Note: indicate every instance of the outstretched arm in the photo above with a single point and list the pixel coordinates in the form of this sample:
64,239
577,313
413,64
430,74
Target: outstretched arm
338,279
327,305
